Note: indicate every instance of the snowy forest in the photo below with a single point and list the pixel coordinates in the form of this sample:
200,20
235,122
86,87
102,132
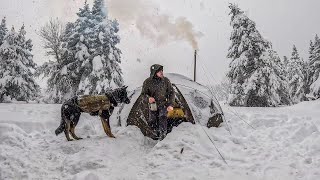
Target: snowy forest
250,113
259,77
85,59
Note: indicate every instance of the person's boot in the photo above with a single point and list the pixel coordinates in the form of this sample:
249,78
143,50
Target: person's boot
163,124
158,133
162,135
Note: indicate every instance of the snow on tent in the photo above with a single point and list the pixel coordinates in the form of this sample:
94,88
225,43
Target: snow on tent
194,103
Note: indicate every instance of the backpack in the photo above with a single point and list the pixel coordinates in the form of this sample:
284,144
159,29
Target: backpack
89,103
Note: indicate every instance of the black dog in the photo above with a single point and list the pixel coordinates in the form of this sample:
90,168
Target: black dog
72,109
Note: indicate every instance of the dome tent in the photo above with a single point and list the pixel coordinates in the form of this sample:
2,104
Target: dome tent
195,101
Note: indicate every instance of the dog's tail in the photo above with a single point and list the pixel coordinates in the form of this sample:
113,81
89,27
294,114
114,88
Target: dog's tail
62,125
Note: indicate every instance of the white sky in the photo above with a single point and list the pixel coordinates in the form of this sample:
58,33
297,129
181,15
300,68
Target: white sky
283,22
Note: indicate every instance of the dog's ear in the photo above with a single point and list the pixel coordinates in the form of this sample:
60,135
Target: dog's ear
124,87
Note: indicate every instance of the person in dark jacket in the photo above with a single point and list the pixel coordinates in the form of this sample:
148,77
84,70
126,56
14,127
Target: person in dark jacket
159,92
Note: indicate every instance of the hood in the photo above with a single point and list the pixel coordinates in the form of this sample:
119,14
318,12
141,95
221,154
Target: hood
154,69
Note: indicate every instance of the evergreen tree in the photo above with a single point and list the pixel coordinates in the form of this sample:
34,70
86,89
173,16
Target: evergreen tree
98,10
3,30
296,77
81,49
16,62
309,73
314,68
285,60
255,69
65,75
284,64
90,59
306,72
281,72
105,72
311,48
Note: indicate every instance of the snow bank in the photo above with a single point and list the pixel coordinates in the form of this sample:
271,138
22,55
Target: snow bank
283,143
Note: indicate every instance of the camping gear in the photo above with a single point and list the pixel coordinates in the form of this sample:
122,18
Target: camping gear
176,113
89,103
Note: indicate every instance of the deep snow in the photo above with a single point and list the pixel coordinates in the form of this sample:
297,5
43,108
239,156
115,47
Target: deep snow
284,143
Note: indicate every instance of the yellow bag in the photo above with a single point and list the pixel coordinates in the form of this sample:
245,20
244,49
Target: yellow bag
176,113
90,103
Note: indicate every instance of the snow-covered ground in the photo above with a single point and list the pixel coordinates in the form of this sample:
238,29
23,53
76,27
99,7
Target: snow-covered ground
283,143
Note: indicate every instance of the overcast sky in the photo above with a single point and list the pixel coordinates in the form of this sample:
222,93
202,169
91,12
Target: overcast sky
283,22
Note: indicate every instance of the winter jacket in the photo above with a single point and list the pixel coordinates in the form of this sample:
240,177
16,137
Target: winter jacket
159,88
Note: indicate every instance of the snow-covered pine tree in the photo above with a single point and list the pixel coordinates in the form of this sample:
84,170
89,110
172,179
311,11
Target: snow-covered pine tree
16,62
78,40
90,59
308,72
3,30
99,10
268,82
296,77
285,62
105,56
305,71
279,72
65,74
309,68
314,69
255,69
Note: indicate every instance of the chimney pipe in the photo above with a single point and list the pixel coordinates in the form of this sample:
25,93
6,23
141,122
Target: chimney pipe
195,66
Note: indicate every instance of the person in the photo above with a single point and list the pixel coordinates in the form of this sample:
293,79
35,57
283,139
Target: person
158,91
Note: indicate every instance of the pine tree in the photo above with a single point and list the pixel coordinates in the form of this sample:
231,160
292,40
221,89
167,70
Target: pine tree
83,33
16,63
105,70
90,59
284,64
285,61
65,75
309,72
311,48
296,77
255,70
280,71
314,69
3,30
98,10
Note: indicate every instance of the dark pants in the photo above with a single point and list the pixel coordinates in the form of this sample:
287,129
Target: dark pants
158,121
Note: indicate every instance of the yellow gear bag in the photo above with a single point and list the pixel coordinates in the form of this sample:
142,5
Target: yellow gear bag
176,113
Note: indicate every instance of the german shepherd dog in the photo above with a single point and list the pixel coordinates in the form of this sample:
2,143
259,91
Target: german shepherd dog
71,111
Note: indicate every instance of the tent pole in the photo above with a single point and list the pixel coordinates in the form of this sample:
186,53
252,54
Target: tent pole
195,66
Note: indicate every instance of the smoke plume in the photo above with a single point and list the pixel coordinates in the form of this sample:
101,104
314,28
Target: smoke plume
161,28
